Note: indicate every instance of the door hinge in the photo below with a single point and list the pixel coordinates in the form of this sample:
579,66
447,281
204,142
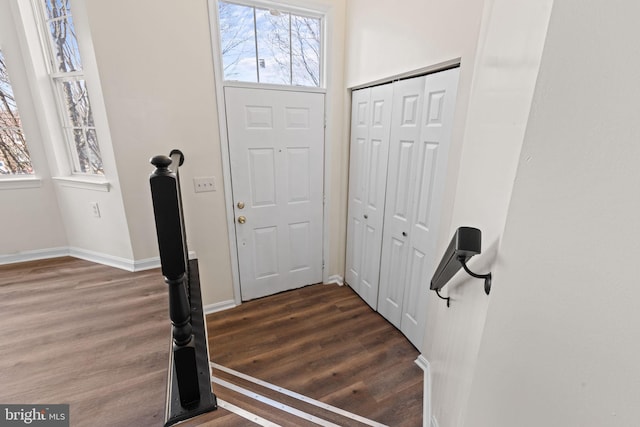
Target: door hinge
325,121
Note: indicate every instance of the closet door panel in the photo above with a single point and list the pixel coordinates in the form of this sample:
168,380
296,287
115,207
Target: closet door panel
372,116
403,148
432,155
373,216
357,185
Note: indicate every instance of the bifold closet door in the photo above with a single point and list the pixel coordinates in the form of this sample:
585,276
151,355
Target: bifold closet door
403,158
370,121
422,124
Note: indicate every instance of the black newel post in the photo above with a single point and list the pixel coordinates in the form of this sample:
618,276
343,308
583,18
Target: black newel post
173,255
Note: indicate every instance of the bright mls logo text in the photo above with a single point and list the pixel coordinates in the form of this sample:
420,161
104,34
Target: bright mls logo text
38,415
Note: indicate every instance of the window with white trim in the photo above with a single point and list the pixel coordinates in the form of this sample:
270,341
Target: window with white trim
70,87
273,46
14,155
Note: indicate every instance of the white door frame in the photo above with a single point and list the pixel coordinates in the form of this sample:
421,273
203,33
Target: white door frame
327,22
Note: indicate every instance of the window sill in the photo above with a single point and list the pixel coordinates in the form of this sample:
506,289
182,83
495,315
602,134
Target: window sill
15,183
83,183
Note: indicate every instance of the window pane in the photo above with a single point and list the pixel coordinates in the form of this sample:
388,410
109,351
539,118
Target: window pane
74,93
56,8
274,47
88,154
65,45
305,52
14,156
94,151
237,37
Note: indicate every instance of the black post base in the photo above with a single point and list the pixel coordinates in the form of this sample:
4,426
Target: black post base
175,412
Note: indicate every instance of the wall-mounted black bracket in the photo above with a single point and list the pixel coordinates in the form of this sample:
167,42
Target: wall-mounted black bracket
486,277
466,242
447,299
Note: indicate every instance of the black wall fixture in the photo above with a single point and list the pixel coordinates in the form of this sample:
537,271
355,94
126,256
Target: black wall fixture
466,242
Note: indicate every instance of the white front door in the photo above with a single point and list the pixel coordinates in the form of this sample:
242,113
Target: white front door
276,148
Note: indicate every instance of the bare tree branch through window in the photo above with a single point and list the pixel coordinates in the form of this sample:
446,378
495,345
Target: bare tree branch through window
71,88
14,155
269,46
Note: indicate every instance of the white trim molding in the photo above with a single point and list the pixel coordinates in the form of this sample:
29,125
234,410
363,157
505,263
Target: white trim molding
336,278
34,255
99,258
146,264
114,261
219,306
20,182
423,363
83,183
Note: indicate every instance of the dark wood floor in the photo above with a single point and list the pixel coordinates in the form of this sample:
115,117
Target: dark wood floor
98,338
91,336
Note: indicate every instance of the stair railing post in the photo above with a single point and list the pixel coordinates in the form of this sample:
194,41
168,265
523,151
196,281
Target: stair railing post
167,209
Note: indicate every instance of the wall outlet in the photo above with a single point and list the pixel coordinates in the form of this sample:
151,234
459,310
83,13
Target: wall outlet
204,183
95,209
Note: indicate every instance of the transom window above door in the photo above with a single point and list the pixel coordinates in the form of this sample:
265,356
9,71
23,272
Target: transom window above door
274,46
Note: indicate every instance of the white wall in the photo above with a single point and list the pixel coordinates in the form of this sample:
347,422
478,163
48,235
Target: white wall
30,217
561,341
500,43
157,77
509,50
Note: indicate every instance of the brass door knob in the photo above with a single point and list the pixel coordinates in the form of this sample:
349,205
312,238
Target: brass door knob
242,219
240,205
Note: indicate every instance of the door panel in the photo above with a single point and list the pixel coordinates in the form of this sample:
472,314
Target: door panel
403,147
371,117
432,154
357,185
263,176
276,148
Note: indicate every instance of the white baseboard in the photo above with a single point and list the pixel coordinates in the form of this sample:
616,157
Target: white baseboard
218,306
34,255
146,264
427,419
105,259
97,257
337,279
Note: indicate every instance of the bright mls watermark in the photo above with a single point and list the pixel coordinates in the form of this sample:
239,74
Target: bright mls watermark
34,415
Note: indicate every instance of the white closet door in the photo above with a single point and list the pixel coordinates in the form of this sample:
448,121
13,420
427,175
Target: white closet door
371,116
403,156
429,179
